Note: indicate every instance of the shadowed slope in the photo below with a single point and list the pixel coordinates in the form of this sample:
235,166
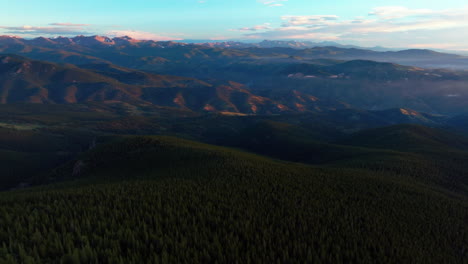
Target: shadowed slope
408,138
195,203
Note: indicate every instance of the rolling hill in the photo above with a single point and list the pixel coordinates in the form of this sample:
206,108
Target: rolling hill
25,80
92,186
409,138
294,88
196,203
29,81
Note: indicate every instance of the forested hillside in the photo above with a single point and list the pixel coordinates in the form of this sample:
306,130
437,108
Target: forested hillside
166,200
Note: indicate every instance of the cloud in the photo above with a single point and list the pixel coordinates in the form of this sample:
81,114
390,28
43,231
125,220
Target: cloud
141,35
393,12
392,23
67,24
265,26
52,29
272,3
70,29
33,30
307,20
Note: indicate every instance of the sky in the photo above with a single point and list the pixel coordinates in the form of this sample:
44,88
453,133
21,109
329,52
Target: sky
396,23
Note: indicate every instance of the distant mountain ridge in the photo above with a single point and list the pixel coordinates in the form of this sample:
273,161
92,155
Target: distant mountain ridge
24,80
267,80
287,44
84,41
93,41
144,54
297,87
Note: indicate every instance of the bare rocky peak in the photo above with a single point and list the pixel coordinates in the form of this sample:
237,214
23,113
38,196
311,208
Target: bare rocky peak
41,41
11,40
63,40
93,40
87,41
126,40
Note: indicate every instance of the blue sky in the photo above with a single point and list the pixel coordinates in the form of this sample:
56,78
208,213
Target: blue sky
410,23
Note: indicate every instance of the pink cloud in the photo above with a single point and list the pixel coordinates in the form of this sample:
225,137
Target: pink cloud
265,26
67,24
388,25
141,35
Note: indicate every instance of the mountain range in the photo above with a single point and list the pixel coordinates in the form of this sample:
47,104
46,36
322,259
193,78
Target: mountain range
105,48
283,44
116,150
302,87
239,80
28,81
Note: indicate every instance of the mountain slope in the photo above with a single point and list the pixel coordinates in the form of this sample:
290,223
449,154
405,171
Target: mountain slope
42,82
24,80
195,203
408,138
